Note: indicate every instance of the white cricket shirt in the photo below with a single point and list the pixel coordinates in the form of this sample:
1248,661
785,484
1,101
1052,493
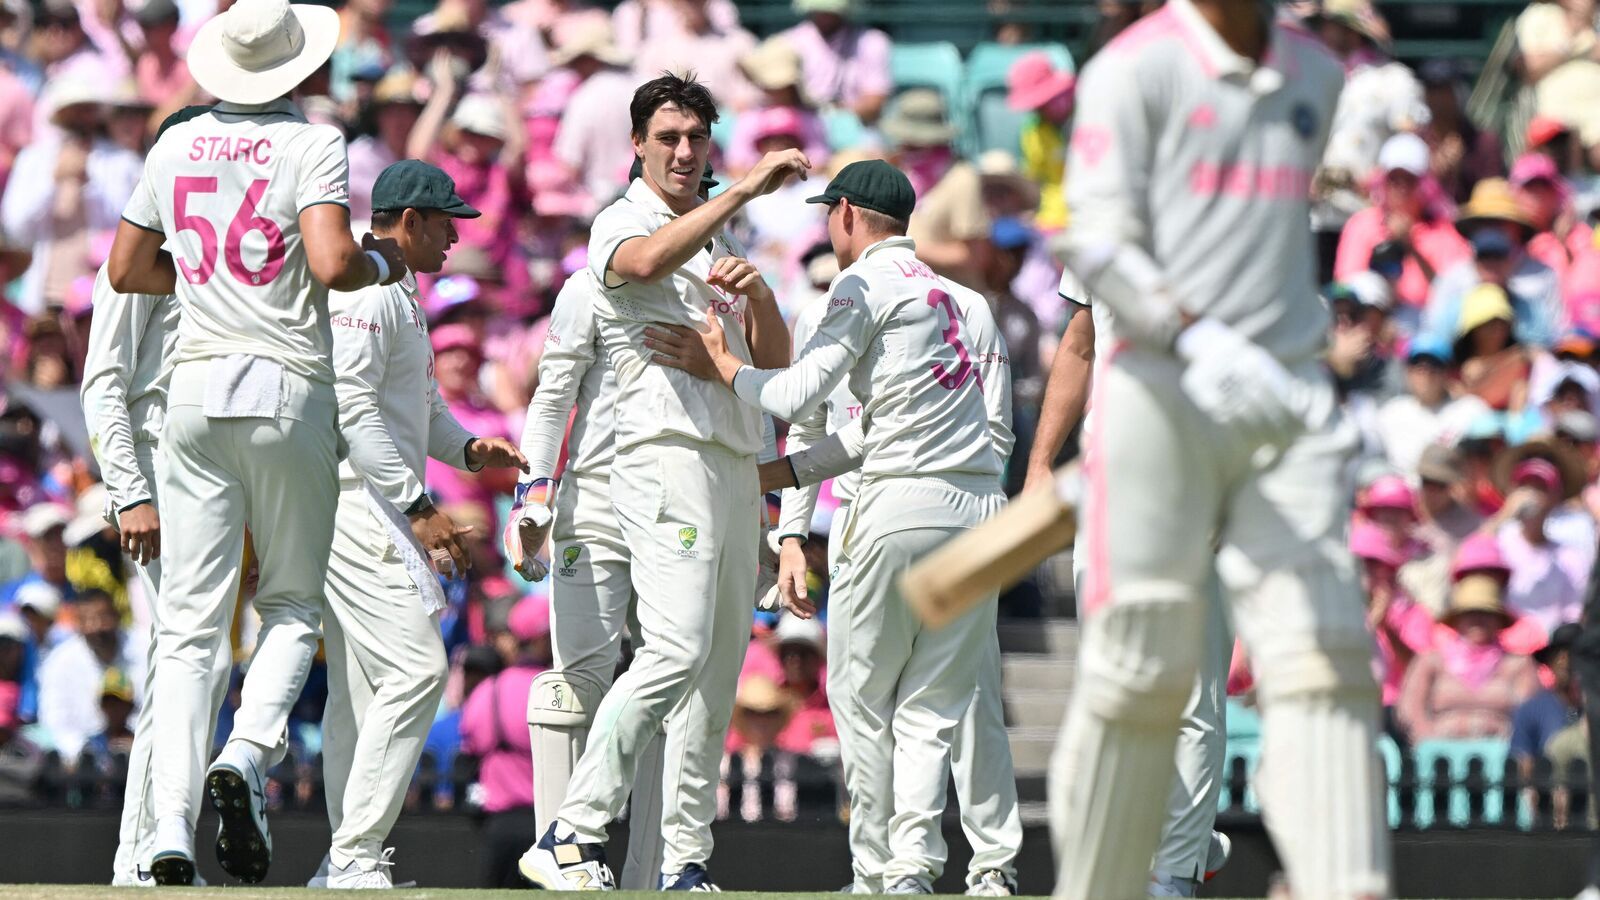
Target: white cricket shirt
895,329
390,411
572,371
1191,170
124,391
841,415
656,401
227,189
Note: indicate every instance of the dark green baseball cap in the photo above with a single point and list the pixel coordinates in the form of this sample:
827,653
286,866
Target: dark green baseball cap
706,181
871,184
414,184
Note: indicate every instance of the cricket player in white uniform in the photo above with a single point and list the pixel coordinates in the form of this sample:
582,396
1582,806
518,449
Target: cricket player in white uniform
386,661
131,341
683,488
827,444
591,598
1196,136
1190,851
251,199
930,470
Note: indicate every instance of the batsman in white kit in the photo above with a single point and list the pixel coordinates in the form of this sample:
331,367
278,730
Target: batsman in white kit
683,488
386,660
252,201
1196,136
1191,851
930,470
828,444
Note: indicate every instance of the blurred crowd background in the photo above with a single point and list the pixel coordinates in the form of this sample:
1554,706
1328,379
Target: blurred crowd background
1454,216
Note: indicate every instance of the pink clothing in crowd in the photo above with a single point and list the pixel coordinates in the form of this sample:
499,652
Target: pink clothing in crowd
1413,626
1444,697
842,69
158,86
1547,580
1436,241
453,485
1560,254
494,728
742,154
16,121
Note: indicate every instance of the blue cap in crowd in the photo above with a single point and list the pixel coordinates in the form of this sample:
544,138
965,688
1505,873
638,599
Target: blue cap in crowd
1011,234
1427,346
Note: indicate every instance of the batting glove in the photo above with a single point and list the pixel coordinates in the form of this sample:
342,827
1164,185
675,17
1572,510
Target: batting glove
1240,385
529,528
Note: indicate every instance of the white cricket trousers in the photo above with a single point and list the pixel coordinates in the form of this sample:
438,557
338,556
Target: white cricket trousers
280,477
899,690
690,516
591,604
386,676
136,833
980,750
1164,482
1202,745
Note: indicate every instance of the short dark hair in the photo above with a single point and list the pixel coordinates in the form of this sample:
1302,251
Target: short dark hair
683,91
385,219
881,223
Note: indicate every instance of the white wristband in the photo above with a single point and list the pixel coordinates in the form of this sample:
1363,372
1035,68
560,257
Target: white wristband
383,265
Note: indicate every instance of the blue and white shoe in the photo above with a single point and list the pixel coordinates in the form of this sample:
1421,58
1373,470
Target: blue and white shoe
692,877
238,791
566,865
173,864
908,885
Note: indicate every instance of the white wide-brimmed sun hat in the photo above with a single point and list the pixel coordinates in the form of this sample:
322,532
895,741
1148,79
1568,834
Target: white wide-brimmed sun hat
259,50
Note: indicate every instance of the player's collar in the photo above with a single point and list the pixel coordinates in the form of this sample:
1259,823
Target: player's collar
281,105
893,243
641,193
1220,61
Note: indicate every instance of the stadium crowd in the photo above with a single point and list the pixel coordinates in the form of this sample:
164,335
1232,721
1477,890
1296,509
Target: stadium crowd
1463,283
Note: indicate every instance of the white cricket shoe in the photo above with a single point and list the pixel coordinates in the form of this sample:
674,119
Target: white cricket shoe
1217,854
1589,893
992,883
238,791
353,877
566,865
1164,885
908,885
173,862
320,880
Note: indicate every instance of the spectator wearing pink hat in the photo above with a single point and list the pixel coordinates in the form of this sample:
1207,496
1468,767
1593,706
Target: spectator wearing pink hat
773,68
1402,627
494,728
1548,543
458,359
1389,505
1034,86
1560,236
1408,233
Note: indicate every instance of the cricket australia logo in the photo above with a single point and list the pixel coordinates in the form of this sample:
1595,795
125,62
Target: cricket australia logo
569,559
687,535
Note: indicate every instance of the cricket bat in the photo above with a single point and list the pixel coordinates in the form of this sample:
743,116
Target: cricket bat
995,555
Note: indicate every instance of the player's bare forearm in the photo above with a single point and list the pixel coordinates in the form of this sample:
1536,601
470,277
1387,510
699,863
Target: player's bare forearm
776,475
137,264
767,334
1065,396
649,259
656,256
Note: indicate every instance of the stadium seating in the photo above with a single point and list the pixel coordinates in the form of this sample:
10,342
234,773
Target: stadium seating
987,122
936,65
1457,757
